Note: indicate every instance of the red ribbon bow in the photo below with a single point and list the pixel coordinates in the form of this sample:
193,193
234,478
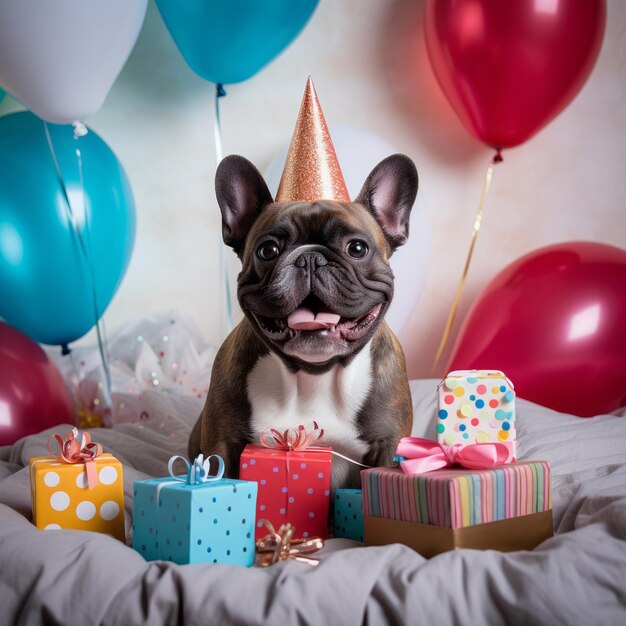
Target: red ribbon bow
423,455
292,438
75,450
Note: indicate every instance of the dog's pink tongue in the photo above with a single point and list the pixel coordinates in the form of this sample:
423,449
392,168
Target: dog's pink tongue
305,319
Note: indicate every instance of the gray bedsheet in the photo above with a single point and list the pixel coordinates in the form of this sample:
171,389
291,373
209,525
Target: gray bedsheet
577,577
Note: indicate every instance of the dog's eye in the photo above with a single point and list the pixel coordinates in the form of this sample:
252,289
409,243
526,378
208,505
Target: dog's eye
267,251
357,248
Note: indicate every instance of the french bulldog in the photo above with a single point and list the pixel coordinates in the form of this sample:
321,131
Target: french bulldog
314,287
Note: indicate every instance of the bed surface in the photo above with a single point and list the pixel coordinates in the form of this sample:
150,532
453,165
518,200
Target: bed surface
72,577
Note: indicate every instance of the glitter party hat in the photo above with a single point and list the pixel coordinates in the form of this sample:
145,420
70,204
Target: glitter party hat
312,170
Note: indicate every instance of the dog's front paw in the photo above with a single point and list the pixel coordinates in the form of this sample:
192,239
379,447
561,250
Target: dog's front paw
381,453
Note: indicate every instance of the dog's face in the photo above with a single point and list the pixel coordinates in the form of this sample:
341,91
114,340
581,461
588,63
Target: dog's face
315,281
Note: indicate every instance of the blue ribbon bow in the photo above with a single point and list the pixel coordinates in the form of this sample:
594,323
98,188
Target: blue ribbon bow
199,470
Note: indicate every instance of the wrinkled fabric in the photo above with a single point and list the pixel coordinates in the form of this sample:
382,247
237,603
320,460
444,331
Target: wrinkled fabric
576,577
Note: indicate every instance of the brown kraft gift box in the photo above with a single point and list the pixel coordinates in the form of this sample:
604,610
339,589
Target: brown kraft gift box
518,533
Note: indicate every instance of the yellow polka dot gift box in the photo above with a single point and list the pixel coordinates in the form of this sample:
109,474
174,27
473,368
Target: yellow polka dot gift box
476,406
80,488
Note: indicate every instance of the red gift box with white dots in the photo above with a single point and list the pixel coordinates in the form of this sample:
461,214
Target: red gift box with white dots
294,487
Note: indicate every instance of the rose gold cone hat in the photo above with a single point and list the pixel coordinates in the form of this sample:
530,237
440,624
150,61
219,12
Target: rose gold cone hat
312,170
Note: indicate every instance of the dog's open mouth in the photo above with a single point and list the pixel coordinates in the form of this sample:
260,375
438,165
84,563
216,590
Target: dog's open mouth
311,318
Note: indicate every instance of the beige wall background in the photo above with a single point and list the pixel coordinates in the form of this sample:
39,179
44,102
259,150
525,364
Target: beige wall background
566,183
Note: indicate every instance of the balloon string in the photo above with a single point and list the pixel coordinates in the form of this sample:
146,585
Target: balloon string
100,327
74,379
459,290
220,93
84,248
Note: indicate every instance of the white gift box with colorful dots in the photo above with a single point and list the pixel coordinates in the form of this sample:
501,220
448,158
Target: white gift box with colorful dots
476,406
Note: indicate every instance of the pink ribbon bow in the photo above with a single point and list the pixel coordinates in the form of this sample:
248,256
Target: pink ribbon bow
292,438
423,455
75,450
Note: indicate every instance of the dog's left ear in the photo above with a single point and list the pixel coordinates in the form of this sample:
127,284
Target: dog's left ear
388,194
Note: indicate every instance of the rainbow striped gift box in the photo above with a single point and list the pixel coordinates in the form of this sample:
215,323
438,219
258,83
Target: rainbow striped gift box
505,508
457,498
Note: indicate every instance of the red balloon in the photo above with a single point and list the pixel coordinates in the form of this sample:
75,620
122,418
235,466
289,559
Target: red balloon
509,67
553,321
33,395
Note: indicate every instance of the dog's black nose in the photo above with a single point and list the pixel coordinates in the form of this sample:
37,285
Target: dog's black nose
311,258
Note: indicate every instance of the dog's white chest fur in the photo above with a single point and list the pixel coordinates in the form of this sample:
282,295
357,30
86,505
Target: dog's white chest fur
280,399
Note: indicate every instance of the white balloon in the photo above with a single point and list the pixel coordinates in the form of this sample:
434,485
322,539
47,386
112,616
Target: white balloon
60,58
359,151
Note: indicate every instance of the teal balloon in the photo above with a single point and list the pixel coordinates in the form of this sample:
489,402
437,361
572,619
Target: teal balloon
46,286
228,41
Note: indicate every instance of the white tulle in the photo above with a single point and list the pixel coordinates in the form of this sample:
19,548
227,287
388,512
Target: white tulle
161,354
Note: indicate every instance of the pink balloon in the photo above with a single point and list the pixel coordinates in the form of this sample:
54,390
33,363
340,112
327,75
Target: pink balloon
553,321
33,395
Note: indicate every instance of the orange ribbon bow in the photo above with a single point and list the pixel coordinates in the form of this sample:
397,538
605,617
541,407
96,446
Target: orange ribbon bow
281,546
75,450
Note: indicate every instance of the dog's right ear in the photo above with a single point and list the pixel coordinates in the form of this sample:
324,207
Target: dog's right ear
242,194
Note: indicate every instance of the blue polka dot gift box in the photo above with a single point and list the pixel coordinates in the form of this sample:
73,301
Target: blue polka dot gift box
195,518
476,406
348,520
